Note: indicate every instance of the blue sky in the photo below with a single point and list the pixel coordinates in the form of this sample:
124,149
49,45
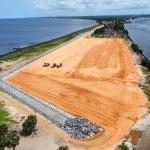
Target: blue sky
38,8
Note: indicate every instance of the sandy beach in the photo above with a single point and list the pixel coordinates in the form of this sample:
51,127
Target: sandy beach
98,80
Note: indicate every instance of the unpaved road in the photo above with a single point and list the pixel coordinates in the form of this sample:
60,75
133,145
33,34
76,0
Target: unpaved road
98,80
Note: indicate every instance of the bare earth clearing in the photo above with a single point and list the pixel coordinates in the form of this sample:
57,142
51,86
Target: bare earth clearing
98,80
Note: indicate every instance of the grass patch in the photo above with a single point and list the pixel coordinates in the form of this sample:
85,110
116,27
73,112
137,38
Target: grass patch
4,114
145,71
148,79
148,95
146,87
40,48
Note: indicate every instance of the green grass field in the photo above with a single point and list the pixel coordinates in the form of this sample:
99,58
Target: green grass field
4,114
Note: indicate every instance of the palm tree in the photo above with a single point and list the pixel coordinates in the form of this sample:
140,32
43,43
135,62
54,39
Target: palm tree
29,125
12,139
3,133
2,143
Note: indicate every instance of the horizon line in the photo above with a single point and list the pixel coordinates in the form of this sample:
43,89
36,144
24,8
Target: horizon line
77,16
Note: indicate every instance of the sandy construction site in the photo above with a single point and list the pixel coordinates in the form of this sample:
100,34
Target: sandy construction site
98,80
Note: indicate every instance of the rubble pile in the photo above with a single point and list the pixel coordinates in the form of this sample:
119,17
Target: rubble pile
81,128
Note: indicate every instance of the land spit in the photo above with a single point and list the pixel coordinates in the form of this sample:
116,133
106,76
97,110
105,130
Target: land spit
98,81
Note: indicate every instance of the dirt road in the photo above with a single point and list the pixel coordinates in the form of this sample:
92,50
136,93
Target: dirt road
97,80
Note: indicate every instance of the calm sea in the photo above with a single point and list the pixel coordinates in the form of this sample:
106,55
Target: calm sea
139,31
16,33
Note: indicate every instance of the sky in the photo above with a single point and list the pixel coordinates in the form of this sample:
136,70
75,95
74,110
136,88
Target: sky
42,8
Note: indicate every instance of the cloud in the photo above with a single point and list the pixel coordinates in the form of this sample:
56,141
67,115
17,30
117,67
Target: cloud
91,6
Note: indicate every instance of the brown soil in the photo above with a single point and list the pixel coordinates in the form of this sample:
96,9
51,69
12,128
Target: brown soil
98,80
135,135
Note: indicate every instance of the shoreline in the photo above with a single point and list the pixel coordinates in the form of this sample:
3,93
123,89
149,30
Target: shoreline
140,131
66,38
133,42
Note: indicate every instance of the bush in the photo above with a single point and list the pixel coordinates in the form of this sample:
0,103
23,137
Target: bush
99,32
118,26
8,138
123,146
3,129
136,48
29,125
145,62
12,139
3,132
63,148
126,32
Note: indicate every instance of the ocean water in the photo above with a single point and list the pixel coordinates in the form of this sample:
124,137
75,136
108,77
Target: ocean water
139,31
17,33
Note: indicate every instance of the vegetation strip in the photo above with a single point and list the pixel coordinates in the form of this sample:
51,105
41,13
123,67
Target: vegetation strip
42,47
4,114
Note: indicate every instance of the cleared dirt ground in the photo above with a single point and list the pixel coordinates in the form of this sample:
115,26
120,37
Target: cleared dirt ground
98,80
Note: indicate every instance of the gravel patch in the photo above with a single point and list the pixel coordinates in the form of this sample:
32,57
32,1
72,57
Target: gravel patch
81,128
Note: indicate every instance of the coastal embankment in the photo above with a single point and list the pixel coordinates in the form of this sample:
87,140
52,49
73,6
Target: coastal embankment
37,49
139,32
23,32
139,134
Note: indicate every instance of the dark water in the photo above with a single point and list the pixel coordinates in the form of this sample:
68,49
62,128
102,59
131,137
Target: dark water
16,33
139,31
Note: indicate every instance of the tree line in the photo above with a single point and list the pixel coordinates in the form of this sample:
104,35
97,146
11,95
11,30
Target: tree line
145,61
10,138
